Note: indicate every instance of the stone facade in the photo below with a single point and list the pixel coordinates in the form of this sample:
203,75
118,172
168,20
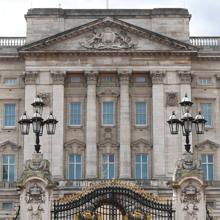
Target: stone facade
121,56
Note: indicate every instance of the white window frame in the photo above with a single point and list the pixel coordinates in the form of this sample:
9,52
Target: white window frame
74,165
102,113
141,164
208,163
8,165
207,103
7,126
140,125
80,115
108,165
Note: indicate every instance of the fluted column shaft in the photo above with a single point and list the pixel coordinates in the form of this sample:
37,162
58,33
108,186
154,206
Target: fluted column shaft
91,148
125,127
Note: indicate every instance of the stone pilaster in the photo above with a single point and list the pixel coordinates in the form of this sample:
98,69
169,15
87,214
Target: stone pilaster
158,98
30,79
185,79
125,127
91,148
58,108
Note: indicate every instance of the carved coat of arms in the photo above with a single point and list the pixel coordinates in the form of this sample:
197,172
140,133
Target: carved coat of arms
108,39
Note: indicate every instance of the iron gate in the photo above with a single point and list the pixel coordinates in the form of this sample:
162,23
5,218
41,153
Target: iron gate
112,201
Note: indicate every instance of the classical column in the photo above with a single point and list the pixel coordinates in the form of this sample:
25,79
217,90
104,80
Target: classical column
185,79
30,79
159,123
91,148
58,139
125,127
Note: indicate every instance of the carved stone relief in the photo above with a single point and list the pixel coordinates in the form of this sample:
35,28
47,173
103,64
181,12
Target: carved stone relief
108,39
171,99
46,97
91,77
35,212
58,77
35,194
185,77
30,77
157,77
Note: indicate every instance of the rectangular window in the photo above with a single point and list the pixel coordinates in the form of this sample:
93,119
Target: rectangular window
206,110
141,113
141,166
75,167
75,79
140,79
75,113
9,115
7,205
108,113
204,81
10,81
108,166
8,168
207,166
107,79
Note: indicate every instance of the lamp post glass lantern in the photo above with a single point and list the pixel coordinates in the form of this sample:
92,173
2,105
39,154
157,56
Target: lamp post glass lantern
186,122
37,122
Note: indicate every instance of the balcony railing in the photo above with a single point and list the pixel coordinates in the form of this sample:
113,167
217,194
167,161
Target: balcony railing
12,41
205,42
7,185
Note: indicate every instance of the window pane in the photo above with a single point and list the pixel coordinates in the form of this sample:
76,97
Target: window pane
138,171
10,81
140,113
108,112
75,79
7,205
5,172
206,110
71,171
5,159
210,158
11,173
111,171
105,171
210,172
204,172
78,171
144,158
203,156
138,158
78,158
75,113
71,158
144,171
140,79
75,171
111,158
9,117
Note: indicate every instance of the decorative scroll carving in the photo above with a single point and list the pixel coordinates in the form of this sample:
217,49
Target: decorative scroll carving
157,77
185,77
172,99
91,77
108,39
30,77
58,77
190,197
45,97
35,194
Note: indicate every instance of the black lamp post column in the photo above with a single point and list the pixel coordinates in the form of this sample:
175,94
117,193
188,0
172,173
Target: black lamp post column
37,123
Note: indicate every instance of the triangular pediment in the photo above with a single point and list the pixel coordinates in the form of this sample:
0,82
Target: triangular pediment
107,34
74,143
10,144
141,143
207,144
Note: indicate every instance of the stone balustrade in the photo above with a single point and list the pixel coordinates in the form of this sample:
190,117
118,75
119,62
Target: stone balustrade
12,41
205,42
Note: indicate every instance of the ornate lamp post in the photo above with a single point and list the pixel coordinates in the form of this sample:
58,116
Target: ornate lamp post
186,122
37,122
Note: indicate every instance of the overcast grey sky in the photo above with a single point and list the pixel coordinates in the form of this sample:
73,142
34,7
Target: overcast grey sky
205,19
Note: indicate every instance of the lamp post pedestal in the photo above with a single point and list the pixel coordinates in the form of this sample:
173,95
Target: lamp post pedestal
189,189
36,189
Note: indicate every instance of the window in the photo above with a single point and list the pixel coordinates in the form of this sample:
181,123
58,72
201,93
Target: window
206,110
8,167
75,79
204,81
75,166
140,79
75,113
107,79
141,113
141,166
9,116
108,166
7,205
207,166
108,113
10,81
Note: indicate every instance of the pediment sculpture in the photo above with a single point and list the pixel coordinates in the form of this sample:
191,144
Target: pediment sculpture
108,39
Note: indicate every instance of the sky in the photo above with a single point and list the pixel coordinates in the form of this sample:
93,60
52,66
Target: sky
205,19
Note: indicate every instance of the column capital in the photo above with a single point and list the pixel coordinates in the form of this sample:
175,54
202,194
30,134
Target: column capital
30,77
157,76
91,76
124,75
58,77
185,77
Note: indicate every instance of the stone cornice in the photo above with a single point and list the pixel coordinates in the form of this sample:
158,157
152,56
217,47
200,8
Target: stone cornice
30,77
185,77
157,77
58,77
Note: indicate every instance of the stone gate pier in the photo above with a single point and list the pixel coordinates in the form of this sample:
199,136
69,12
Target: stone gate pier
189,189
36,189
